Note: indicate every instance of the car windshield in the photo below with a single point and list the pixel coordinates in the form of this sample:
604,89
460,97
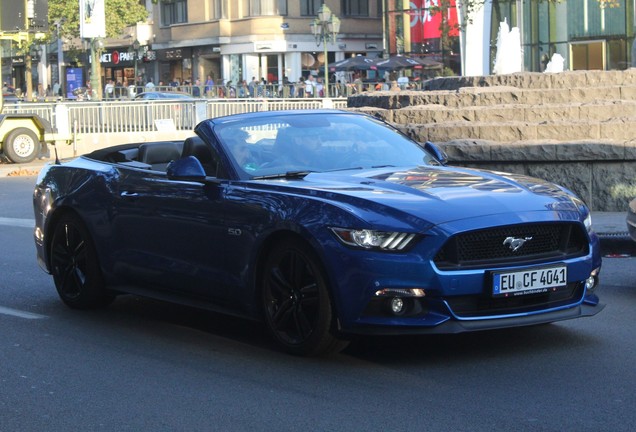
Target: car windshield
320,142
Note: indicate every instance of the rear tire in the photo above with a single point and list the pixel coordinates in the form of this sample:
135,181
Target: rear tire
75,267
21,145
296,301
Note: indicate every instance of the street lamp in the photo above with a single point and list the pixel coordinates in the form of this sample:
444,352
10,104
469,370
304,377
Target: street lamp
135,47
97,45
325,29
60,55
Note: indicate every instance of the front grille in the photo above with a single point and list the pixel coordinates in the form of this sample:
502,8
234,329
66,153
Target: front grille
484,248
476,306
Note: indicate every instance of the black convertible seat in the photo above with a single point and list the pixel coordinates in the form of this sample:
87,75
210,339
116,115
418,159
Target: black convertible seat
194,146
159,154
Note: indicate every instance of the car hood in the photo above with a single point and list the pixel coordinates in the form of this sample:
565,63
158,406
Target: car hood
439,194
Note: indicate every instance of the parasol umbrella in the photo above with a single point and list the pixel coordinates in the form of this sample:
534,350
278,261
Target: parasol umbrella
353,63
405,62
429,63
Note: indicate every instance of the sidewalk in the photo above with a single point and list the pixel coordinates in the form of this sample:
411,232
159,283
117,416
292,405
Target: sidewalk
610,226
612,230
27,169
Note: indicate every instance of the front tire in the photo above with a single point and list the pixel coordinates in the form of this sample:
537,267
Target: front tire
296,302
21,145
75,267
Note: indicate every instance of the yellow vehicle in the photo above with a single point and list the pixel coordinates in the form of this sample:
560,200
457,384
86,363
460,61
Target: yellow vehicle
22,136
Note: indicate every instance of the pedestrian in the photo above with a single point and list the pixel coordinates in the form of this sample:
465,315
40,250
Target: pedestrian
252,87
310,86
139,84
150,85
119,90
209,86
243,89
231,90
319,87
196,88
109,89
300,87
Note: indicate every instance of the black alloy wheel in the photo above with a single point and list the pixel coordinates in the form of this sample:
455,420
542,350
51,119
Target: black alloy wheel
296,301
75,267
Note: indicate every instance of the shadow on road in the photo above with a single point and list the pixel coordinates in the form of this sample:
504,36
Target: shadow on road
214,332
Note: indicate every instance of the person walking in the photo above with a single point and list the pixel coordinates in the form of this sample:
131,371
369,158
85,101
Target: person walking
300,87
196,88
209,86
310,86
109,89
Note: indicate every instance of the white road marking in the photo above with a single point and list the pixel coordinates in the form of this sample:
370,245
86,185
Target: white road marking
20,314
16,222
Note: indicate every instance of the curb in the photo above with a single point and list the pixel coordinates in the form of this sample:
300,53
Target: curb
617,244
27,169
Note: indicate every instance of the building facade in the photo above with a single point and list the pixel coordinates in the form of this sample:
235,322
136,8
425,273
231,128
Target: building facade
272,40
588,34
236,40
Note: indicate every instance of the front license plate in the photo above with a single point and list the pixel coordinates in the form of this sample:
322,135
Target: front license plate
529,281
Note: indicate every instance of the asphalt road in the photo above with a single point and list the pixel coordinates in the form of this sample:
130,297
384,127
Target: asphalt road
144,365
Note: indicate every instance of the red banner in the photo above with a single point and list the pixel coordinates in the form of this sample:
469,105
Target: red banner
426,23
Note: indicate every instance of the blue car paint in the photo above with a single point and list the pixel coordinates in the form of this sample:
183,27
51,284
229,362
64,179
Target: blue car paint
122,206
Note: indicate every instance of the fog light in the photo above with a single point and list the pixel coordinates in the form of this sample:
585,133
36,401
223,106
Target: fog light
397,305
403,292
590,283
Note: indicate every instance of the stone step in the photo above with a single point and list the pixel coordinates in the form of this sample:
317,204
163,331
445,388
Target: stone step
577,129
472,151
536,80
489,96
619,129
597,111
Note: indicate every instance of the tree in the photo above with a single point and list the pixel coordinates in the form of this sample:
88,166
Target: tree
119,14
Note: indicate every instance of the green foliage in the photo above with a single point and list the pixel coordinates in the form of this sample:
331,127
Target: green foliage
447,72
119,14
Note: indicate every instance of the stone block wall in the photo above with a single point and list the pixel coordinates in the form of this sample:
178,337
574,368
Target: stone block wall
601,174
577,129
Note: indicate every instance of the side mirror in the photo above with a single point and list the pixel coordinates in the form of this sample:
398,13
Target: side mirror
439,154
188,169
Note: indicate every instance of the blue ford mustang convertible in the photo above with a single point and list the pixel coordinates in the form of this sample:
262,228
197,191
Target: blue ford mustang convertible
322,224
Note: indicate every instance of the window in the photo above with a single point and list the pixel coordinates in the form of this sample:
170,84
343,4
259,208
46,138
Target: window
355,7
174,12
268,7
217,9
310,7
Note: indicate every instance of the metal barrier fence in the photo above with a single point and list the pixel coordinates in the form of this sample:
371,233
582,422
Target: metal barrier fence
44,110
147,116
283,91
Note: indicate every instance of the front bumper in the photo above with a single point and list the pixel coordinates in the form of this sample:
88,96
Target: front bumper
450,326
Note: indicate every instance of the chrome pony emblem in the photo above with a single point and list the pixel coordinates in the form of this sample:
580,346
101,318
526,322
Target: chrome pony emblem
515,243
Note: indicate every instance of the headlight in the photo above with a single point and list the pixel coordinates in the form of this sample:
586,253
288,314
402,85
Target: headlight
588,222
372,239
